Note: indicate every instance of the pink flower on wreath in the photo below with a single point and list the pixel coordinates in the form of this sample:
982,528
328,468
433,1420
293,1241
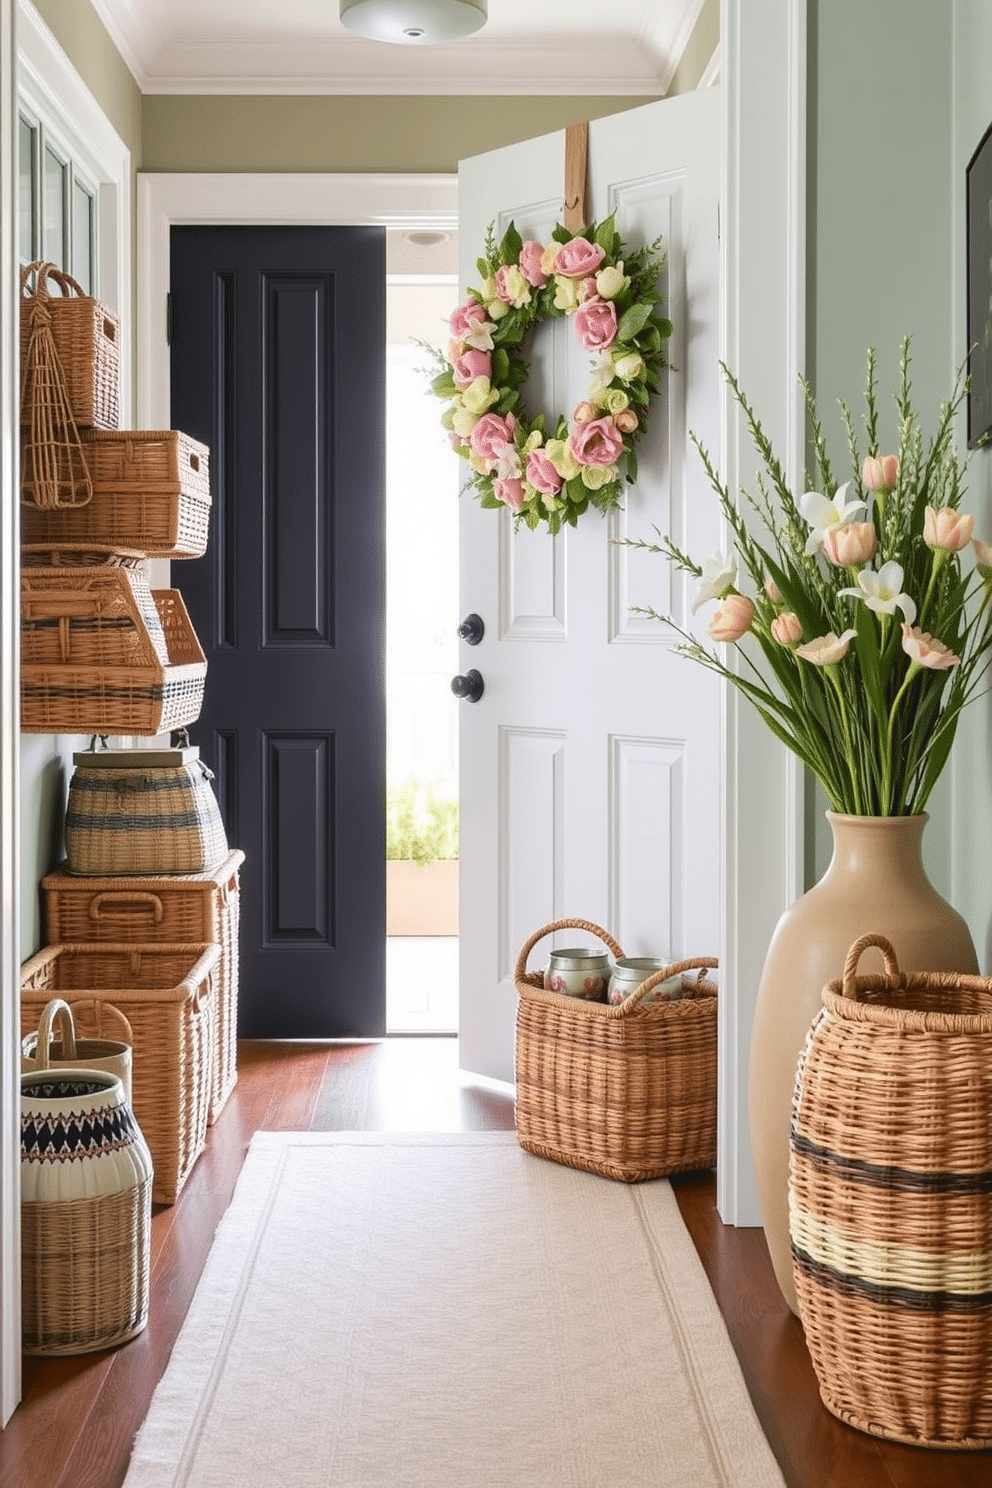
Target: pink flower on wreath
587,290
578,258
470,365
530,264
542,474
510,492
490,434
596,325
465,317
598,442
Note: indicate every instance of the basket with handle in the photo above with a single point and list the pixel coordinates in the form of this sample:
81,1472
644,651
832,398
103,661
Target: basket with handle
890,1173
38,1052
82,334
627,1090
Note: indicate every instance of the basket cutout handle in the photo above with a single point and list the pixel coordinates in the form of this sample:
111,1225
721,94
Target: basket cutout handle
57,1008
194,461
849,985
550,929
113,897
700,963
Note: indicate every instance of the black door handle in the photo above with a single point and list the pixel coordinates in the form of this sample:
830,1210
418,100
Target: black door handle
472,630
470,687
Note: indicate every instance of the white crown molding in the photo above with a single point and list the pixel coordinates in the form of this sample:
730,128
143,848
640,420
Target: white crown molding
139,40
677,44
501,67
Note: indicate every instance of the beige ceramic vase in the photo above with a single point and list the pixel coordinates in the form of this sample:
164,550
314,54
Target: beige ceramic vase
875,881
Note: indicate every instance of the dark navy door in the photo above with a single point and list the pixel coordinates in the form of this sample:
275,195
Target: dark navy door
278,364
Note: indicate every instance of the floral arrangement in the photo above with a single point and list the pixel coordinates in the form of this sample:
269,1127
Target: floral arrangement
862,637
610,295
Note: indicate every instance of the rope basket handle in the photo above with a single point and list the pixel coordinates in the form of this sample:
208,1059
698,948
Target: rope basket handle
849,985
121,896
43,272
99,1009
703,963
521,967
57,1008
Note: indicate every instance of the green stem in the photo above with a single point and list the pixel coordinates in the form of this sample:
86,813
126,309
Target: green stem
914,667
831,671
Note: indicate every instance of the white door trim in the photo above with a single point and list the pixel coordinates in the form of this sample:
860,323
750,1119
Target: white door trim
10,1013
165,199
763,67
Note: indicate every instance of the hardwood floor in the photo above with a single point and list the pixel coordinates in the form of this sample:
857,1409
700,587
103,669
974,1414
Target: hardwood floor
76,1423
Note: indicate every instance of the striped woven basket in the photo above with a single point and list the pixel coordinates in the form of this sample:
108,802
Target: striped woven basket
890,1202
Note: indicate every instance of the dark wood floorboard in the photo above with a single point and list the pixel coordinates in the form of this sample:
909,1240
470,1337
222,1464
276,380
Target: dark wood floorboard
78,1418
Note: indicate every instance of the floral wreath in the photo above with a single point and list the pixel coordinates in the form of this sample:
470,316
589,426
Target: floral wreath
612,299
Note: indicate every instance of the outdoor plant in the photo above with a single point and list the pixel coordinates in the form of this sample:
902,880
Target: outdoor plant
859,633
421,824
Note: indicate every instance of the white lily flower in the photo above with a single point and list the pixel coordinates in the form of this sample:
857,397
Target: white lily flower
882,591
822,513
480,335
602,375
719,574
508,466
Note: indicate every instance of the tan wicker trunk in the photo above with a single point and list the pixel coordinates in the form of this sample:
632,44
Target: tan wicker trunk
167,994
185,909
151,491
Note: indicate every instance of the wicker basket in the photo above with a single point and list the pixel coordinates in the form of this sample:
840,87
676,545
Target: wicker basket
151,491
144,699
38,1052
98,615
190,908
86,335
166,992
889,1202
626,1091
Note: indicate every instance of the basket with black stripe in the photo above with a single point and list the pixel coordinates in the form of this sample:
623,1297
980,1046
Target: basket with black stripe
890,1202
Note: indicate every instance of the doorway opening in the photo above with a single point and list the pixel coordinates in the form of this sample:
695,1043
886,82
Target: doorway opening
422,481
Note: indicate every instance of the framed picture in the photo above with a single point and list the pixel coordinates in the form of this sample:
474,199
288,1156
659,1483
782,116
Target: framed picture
978,178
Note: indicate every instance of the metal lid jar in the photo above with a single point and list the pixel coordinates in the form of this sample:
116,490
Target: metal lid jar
578,971
630,971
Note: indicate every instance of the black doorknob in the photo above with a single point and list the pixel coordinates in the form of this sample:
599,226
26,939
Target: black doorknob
470,687
472,630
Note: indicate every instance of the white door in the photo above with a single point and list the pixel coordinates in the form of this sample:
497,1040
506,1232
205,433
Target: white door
590,767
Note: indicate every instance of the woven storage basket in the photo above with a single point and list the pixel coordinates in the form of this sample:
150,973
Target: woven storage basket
86,334
97,615
166,992
185,909
140,811
890,1215
626,1091
151,491
39,1052
145,699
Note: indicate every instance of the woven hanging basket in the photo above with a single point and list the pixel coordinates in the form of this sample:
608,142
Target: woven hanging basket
54,472
890,1202
626,1091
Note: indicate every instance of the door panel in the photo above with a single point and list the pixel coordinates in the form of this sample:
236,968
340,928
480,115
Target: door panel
278,358
590,783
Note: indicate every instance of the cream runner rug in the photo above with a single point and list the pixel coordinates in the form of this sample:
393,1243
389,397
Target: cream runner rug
383,1311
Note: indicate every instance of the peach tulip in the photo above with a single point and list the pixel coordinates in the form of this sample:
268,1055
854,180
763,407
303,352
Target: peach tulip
733,618
947,528
850,544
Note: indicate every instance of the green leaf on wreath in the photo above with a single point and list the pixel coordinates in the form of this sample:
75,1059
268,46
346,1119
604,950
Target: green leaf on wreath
631,467
485,272
605,233
509,249
501,365
489,501
532,518
509,400
562,234
575,490
444,385
665,327
633,321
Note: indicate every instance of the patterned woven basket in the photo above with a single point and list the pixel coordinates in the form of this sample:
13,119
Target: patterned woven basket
151,491
889,1202
86,337
184,909
145,698
627,1091
167,994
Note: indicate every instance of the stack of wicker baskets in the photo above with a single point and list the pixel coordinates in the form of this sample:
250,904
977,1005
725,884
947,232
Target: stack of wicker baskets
101,653
104,654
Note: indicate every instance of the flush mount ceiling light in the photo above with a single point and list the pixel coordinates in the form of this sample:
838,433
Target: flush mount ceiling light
413,22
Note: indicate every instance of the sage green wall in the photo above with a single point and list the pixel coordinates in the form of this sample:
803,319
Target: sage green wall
82,36
351,133
880,242
971,760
